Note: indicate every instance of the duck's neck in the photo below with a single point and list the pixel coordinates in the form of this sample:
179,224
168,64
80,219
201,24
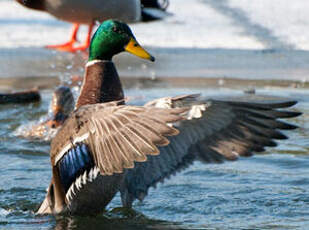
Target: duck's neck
101,84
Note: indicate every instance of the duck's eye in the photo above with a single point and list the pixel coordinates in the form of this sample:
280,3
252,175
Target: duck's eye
135,45
116,30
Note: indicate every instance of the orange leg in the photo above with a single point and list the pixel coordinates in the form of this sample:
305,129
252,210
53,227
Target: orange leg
68,46
87,41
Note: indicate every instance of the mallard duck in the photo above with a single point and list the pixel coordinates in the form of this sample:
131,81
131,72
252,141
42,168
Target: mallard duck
105,146
62,105
87,12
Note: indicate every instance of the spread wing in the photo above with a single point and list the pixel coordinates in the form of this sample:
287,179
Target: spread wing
213,131
116,135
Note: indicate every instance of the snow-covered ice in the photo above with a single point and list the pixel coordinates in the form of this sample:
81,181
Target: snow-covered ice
236,24
256,39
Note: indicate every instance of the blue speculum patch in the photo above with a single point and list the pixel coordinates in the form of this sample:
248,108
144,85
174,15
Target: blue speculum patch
75,162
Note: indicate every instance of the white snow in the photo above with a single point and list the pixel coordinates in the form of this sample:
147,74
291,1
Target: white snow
242,24
287,20
193,24
241,29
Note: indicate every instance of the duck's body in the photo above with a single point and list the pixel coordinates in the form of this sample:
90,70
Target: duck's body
84,181
87,12
105,148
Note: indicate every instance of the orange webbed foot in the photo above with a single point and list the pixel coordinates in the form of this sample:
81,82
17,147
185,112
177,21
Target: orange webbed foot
68,46
82,47
86,44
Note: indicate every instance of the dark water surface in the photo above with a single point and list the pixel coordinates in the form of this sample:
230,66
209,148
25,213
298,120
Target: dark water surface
276,64
268,191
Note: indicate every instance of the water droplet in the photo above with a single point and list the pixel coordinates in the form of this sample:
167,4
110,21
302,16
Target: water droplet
69,67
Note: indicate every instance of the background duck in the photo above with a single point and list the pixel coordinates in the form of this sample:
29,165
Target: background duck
105,148
87,12
61,106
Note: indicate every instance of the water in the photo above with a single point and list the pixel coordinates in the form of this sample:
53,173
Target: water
267,191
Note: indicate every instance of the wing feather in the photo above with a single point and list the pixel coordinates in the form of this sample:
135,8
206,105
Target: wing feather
117,135
213,131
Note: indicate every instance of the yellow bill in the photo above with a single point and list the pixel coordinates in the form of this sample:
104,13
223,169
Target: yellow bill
134,48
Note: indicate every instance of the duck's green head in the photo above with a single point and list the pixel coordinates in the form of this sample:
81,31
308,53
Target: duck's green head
113,37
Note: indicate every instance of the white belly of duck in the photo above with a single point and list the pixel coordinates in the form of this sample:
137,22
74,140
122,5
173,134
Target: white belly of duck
85,12
85,188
